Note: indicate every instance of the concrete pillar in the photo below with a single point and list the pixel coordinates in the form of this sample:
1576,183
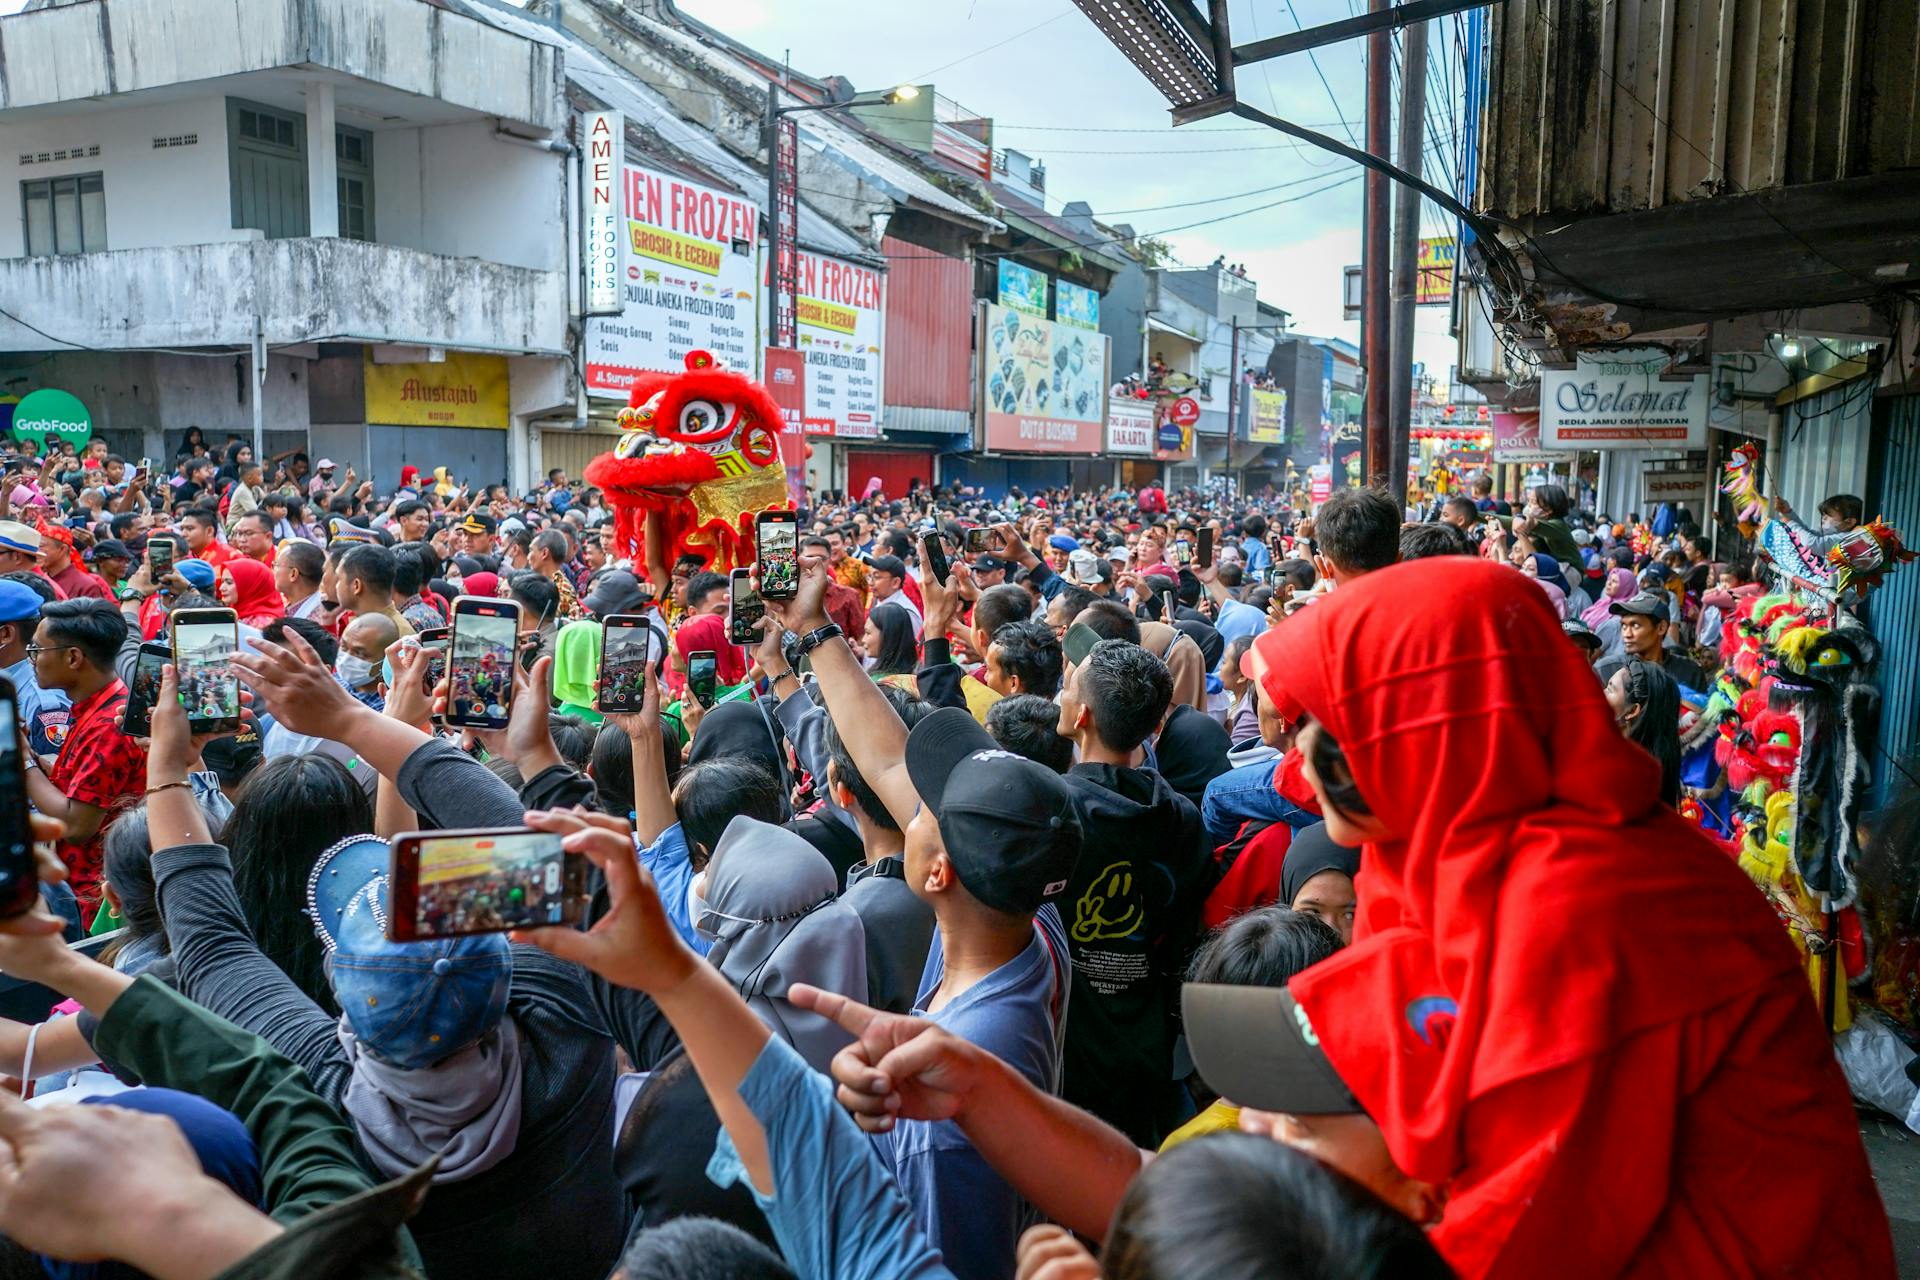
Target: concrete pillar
323,166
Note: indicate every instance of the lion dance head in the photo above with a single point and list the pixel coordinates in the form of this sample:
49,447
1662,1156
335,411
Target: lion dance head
700,450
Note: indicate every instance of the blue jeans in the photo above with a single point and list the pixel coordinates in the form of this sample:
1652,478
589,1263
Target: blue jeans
1247,794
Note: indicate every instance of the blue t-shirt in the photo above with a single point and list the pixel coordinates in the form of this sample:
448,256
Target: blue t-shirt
1017,1013
1259,555
835,1211
667,860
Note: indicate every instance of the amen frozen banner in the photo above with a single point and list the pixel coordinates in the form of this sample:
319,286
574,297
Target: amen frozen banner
691,283
842,318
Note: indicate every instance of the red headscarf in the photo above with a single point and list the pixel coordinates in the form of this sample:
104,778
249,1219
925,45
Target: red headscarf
708,631
258,601
1536,916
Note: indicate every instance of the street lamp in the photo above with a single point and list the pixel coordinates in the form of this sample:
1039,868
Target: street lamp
871,98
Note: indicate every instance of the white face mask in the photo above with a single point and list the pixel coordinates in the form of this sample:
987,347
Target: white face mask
1829,524
353,669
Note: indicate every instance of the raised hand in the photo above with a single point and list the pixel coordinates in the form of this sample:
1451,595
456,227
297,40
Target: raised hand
634,944
297,687
897,1067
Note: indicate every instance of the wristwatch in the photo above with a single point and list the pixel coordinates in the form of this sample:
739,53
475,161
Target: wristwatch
819,636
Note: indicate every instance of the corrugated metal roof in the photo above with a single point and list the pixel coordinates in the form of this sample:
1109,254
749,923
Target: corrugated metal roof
1615,105
621,91
827,133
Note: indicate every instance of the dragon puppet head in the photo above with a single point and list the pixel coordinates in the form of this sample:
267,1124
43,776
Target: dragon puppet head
701,450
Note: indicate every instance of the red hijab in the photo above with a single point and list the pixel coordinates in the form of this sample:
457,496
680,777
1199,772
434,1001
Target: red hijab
1533,906
258,601
708,631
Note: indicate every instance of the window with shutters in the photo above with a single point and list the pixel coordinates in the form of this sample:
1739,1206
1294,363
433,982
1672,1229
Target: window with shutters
65,215
353,154
267,160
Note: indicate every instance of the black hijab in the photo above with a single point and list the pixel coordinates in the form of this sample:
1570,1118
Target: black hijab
1312,852
1191,751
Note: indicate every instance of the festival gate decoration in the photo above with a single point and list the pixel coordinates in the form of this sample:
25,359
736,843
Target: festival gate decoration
700,458
1791,718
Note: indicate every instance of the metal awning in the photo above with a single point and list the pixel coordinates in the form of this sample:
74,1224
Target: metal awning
1161,326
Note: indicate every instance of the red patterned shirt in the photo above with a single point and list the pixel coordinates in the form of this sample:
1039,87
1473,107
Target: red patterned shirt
100,766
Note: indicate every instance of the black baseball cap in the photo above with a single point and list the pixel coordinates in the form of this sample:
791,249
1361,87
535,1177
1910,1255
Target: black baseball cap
109,549
991,564
1580,633
1008,823
1651,604
1257,1046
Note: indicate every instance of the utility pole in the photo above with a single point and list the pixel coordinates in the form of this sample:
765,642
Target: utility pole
1374,326
1406,252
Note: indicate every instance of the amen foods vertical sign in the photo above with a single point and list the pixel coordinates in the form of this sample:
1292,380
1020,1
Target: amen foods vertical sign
1622,398
603,243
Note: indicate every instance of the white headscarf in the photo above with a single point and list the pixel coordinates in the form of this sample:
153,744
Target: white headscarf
770,904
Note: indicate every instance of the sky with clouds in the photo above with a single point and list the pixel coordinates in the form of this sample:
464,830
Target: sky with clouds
1056,89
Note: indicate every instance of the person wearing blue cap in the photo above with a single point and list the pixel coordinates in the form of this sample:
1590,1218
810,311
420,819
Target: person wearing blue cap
492,1058
43,712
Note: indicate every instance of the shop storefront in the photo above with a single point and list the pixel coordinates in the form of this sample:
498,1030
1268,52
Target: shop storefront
452,413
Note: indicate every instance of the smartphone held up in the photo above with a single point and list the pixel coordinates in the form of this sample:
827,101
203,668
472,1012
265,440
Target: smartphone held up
204,642
777,538
486,632
627,643
19,874
446,884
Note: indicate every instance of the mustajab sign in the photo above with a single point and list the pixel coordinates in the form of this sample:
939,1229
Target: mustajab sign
1622,398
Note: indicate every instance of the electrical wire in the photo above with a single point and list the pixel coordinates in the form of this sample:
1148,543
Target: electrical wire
968,57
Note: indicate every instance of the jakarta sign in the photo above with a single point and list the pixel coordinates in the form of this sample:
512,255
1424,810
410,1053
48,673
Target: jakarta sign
49,416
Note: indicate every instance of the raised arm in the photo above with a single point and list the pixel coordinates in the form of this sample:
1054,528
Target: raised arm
873,734
653,810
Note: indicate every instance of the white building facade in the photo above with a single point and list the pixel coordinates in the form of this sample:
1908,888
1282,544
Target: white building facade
378,193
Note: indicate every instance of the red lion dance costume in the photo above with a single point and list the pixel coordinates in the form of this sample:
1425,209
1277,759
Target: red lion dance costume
699,460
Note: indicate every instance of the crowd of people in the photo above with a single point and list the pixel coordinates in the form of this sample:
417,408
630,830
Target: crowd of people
1182,884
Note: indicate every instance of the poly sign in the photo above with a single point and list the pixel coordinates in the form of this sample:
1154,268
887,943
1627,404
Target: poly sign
841,306
1620,398
690,283
1044,385
49,416
1516,438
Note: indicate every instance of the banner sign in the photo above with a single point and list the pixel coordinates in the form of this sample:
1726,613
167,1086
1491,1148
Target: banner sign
786,379
841,308
1618,399
1075,305
786,232
690,283
1023,288
1044,384
1172,442
50,416
1267,416
603,244
464,390
1433,273
1130,428
1320,481
1516,438
1688,488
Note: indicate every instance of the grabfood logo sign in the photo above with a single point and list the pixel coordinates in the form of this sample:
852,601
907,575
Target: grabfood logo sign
49,416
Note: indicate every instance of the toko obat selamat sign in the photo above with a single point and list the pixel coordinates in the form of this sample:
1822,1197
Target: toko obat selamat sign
1622,398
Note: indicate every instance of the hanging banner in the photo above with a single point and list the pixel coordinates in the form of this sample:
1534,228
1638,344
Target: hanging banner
786,378
1266,416
1618,398
1023,288
1320,482
1130,428
690,283
1433,273
1516,438
1074,305
603,242
842,310
1044,385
